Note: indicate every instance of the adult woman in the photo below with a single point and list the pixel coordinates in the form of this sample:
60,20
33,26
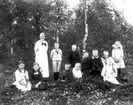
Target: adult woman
41,47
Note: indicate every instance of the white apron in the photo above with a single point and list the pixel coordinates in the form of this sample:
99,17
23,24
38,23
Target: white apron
41,57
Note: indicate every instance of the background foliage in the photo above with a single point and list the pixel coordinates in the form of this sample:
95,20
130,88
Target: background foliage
21,22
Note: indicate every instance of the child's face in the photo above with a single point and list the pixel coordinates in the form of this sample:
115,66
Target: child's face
95,53
67,67
56,46
42,36
105,55
21,66
74,48
85,55
36,67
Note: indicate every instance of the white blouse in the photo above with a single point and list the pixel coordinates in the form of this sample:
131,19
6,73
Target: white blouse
56,54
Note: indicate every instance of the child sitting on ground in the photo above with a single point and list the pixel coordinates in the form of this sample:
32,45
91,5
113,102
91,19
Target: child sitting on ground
109,72
67,73
22,78
77,74
36,78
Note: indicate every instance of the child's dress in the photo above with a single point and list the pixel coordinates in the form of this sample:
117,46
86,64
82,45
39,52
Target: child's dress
36,78
109,74
21,80
117,54
77,73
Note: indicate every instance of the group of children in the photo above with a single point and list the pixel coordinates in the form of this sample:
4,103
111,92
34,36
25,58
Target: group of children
108,67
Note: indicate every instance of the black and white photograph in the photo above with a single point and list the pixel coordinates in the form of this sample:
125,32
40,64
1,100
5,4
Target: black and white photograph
66,52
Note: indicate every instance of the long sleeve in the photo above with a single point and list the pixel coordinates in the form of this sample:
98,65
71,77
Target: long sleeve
61,53
101,64
51,54
122,53
113,54
26,75
36,47
46,45
18,77
103,72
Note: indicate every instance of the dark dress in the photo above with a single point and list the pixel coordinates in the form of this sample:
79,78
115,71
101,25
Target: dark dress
36,77
74,58
96,66
85,65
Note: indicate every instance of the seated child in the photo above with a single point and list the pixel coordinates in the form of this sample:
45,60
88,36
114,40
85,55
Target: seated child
74,56
85,62
105,57
36,78
56,56
109,72
96,64
22,78
77,74
67,74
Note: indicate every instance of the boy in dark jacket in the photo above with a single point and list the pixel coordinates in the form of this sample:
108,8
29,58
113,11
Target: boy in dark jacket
74,56
96,64
67,73
85,62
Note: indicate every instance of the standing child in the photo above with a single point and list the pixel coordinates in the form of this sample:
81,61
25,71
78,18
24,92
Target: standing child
22,78
96,64
118,55
56,56
74,56
109,72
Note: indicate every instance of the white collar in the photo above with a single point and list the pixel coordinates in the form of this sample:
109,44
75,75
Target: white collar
95,57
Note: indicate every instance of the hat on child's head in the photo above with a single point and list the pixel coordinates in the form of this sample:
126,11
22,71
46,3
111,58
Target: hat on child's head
117,44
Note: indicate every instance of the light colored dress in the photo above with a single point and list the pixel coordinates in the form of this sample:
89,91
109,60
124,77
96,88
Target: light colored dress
77,73
118,54
109,74
41,56
21,79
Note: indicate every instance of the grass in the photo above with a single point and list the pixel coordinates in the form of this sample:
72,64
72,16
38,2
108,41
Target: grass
91,91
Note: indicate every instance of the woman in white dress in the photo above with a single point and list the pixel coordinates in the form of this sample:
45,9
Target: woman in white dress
41,57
